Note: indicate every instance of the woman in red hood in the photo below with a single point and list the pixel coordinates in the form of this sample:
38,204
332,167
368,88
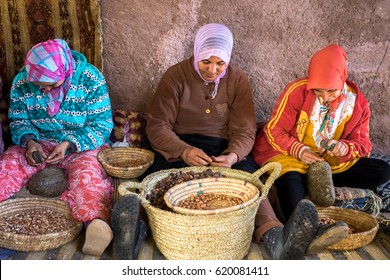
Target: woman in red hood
319,132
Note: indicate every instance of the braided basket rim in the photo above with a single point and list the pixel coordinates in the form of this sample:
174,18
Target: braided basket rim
107,155
33,243
365,223
217,236
229,186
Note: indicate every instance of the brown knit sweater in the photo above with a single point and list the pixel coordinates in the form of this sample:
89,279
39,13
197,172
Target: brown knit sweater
181,106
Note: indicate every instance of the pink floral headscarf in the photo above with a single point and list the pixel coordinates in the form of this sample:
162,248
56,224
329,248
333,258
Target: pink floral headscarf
51,61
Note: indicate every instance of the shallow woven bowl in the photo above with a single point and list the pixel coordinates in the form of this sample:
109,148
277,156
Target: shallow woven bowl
365,224
221,236
33,243
118,162
242,189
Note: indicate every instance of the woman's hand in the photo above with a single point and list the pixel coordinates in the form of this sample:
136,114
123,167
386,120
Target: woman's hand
339,150
308,157
58,153
33,146
224,160
195,157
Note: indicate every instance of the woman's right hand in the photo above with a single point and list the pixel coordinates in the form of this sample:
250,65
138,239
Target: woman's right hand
33,146
308,157
195,157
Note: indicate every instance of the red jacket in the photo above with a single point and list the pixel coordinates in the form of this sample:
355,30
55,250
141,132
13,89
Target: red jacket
286,128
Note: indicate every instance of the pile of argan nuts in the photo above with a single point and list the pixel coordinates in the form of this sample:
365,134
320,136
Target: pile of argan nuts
156,196
128,163
330,221
326,221
209,201
36,222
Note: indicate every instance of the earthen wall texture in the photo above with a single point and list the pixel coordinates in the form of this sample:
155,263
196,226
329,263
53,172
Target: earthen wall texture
273,43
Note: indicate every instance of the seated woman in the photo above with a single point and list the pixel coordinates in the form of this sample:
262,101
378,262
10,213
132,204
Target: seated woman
60,107
319,132
202,114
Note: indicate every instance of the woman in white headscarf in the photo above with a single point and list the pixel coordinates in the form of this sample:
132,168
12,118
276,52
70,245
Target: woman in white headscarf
202,114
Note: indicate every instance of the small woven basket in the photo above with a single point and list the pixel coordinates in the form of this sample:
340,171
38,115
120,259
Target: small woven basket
32,243
365,224
220,236
125,163
231,187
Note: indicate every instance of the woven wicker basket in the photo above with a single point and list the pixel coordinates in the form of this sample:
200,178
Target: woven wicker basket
32,243
220,236
366,225
241,189
118,161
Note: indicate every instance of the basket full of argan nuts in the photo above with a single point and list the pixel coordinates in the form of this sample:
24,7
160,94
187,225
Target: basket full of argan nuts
202,212
36,224
211,196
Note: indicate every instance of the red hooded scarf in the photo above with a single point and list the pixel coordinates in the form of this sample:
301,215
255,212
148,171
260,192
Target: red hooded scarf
328,69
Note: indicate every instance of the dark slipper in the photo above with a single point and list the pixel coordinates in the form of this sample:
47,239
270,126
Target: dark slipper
125,224
299,231
327,235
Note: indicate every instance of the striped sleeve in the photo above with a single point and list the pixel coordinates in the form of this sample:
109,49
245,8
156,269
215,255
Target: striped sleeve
280,129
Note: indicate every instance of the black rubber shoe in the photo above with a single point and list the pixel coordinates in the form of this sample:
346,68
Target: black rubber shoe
291,241
273,242
125,225
299,231
327,235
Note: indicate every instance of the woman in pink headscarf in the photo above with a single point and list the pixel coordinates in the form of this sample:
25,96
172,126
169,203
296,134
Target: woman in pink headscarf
319,132
60,108
202,114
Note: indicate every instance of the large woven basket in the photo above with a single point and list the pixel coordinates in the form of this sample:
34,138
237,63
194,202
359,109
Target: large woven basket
219,236
32,243
120,162
229,187
365,224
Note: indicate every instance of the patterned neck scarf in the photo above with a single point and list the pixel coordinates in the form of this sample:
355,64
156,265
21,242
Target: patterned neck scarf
50,62
327,118
328,70
213,40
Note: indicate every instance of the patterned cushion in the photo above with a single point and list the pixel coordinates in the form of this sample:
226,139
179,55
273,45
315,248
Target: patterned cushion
345,193
130,127
358,199
383,191
363,199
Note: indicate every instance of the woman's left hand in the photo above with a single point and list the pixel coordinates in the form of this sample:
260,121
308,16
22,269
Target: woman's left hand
58,153
340,149
33,146
224,160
